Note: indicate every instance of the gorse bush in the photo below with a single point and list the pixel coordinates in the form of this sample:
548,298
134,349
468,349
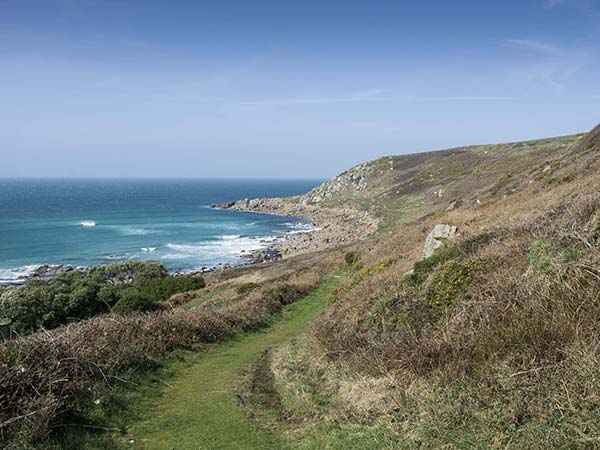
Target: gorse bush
449,285
359,277
82,294
132,301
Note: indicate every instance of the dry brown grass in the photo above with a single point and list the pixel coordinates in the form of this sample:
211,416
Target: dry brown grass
519,349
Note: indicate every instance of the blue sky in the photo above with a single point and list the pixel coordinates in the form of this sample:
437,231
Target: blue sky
128,88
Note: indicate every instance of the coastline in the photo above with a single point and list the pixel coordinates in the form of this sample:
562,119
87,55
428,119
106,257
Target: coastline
331,226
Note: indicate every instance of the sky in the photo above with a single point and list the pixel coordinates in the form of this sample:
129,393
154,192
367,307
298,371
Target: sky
283,88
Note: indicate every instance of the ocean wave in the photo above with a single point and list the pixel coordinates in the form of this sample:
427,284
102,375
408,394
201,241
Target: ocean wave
128,230
302,231
16,275
227,247
119,257
148,249
300,227
87,223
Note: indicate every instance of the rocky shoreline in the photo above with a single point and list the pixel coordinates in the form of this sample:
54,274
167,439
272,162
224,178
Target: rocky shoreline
331,226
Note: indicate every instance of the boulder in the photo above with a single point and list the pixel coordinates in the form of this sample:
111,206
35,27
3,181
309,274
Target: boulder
437,237
453,205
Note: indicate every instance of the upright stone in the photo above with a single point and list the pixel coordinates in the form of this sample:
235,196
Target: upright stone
435,239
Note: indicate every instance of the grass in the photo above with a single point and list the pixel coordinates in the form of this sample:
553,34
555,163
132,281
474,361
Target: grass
199,408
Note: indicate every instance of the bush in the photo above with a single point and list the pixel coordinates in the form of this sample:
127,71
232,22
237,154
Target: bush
351,258
450,285
461,250
132,301
83,294
245,288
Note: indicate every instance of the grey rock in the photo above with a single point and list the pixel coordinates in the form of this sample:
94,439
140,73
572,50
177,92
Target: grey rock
453,205
437,237
48,272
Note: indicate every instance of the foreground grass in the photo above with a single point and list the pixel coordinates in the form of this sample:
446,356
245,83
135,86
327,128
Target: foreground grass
199,408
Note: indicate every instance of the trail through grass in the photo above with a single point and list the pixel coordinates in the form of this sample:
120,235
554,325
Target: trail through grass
199,408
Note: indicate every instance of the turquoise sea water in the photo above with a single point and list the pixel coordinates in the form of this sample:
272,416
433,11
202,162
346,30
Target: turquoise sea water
88,222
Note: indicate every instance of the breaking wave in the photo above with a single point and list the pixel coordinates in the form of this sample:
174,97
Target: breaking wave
16,275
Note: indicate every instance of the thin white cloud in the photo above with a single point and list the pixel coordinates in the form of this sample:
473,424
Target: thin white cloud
555,67
370,95
373,95
536,46
468,99
554,3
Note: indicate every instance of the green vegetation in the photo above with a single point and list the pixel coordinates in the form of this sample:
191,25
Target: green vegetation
53,378
122,288
547,258
507,176
449,285
351,258
245,288
198,406
422,269
358,278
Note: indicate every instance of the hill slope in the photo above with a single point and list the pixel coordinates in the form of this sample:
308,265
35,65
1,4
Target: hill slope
394,187
489,343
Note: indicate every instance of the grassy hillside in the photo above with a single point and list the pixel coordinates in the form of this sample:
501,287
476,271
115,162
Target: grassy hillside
399,188
490,343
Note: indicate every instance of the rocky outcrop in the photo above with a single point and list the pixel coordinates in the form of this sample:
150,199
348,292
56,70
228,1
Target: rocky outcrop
440,234
224,205
264,255
48,272
331,226
354,179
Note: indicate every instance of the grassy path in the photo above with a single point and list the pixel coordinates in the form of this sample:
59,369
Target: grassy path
199,409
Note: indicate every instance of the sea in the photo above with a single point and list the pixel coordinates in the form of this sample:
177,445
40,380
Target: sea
91,222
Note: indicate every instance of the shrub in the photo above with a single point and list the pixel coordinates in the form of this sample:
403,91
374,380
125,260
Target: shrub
449,285
423,268
245,288
351,258
132,301
546,258
357,279
83,294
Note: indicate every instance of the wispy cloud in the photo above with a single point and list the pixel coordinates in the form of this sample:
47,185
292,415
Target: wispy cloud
373,95
466,99
554,3
536,46
555,65
370,95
